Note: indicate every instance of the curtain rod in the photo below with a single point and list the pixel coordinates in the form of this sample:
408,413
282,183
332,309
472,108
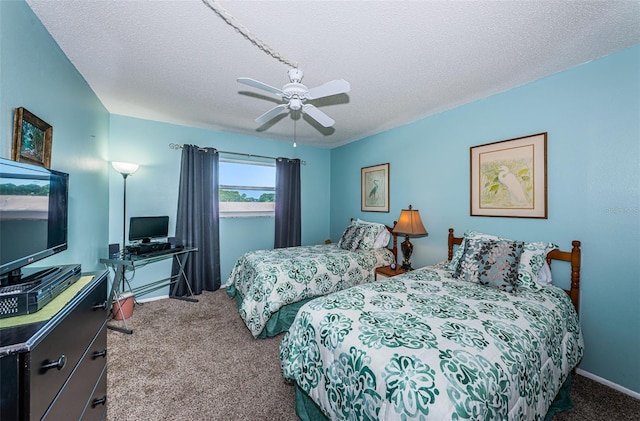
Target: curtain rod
176,146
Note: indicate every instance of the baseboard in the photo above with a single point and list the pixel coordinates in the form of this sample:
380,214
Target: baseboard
146,300
608,383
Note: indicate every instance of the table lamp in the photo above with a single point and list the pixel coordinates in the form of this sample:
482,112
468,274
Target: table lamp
409,224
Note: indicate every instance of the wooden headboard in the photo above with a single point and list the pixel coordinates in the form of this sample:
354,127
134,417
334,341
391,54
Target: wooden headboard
572,257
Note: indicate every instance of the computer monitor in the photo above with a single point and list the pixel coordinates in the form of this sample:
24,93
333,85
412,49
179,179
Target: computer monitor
144,228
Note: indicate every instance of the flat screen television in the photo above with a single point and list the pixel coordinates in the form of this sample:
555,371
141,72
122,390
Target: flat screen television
33,216
145,228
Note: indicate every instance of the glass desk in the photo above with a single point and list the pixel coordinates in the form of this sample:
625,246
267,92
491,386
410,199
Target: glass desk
120,265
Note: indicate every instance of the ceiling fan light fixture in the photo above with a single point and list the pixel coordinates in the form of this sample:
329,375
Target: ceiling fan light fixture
295,104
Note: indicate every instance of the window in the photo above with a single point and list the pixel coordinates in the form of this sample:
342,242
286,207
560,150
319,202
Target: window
247,188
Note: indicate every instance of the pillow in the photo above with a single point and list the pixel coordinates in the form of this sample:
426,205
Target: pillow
453,264
382,235
351,238
544,276
363,222
490,262
382,240
369,235
532,259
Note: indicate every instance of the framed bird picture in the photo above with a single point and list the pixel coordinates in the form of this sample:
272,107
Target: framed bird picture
509,178
375,188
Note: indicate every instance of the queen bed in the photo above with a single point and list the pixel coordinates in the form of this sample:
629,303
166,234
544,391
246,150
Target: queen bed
481,336
270,285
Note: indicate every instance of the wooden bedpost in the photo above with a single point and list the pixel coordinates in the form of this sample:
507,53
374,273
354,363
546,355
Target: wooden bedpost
574,292
450,245
395,241
573,257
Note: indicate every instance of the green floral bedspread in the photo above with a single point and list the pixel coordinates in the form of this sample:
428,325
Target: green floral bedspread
423,345
270,279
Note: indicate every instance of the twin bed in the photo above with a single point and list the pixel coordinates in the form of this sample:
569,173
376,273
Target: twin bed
484,335
271,285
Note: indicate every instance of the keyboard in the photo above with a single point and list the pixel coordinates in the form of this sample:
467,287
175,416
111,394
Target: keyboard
144,248
156,253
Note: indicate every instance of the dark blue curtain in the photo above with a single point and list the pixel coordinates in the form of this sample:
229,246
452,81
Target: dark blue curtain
197,220
288,220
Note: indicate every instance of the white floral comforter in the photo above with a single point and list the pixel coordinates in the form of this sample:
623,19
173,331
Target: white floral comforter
267,280
423,345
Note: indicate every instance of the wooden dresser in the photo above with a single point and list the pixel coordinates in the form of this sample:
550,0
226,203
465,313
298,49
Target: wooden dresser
57,369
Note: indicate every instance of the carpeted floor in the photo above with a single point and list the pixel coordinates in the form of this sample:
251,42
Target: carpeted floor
198,361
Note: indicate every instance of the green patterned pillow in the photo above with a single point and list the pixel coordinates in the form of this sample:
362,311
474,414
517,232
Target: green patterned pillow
351,237
533,257
492,263
369,234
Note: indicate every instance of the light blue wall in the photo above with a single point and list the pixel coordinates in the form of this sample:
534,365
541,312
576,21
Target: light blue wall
153,189
36,75
592,116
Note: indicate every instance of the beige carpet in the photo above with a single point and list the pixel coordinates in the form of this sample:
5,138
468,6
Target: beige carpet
194,361
198,361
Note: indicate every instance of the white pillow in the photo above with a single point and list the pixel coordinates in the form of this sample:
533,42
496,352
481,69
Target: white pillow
382,240
544,275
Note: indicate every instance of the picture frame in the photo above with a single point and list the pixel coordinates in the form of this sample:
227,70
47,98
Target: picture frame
509,178
374,183
32,139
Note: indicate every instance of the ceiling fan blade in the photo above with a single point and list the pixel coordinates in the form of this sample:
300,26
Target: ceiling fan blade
334,87
260,85
318,115
282,108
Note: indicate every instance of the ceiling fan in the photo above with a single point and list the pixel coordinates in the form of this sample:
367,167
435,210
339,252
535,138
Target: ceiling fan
295,94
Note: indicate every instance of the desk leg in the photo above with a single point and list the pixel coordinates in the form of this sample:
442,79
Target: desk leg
118,278
182,275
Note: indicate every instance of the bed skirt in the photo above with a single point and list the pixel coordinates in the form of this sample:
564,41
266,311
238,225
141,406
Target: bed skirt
307,410
279,321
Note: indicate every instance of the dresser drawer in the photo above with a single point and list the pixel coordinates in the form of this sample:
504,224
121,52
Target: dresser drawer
62,349
96,408
77,391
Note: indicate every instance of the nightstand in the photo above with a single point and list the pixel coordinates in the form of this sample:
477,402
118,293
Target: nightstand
386,272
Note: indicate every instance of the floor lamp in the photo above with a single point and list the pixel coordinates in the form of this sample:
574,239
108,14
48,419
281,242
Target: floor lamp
125,169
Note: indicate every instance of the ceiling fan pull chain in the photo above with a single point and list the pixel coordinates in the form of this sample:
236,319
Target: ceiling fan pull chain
294,133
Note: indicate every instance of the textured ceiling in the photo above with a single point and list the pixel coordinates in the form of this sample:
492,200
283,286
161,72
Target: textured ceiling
177,61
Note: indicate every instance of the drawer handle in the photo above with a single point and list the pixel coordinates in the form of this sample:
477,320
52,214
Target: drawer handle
98,354
101,306
59,364
99,401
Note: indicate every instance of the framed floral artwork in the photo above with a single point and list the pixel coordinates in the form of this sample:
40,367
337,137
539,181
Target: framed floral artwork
509,178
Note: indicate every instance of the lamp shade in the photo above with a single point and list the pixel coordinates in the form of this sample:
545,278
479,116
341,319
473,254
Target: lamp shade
125,168
410,223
